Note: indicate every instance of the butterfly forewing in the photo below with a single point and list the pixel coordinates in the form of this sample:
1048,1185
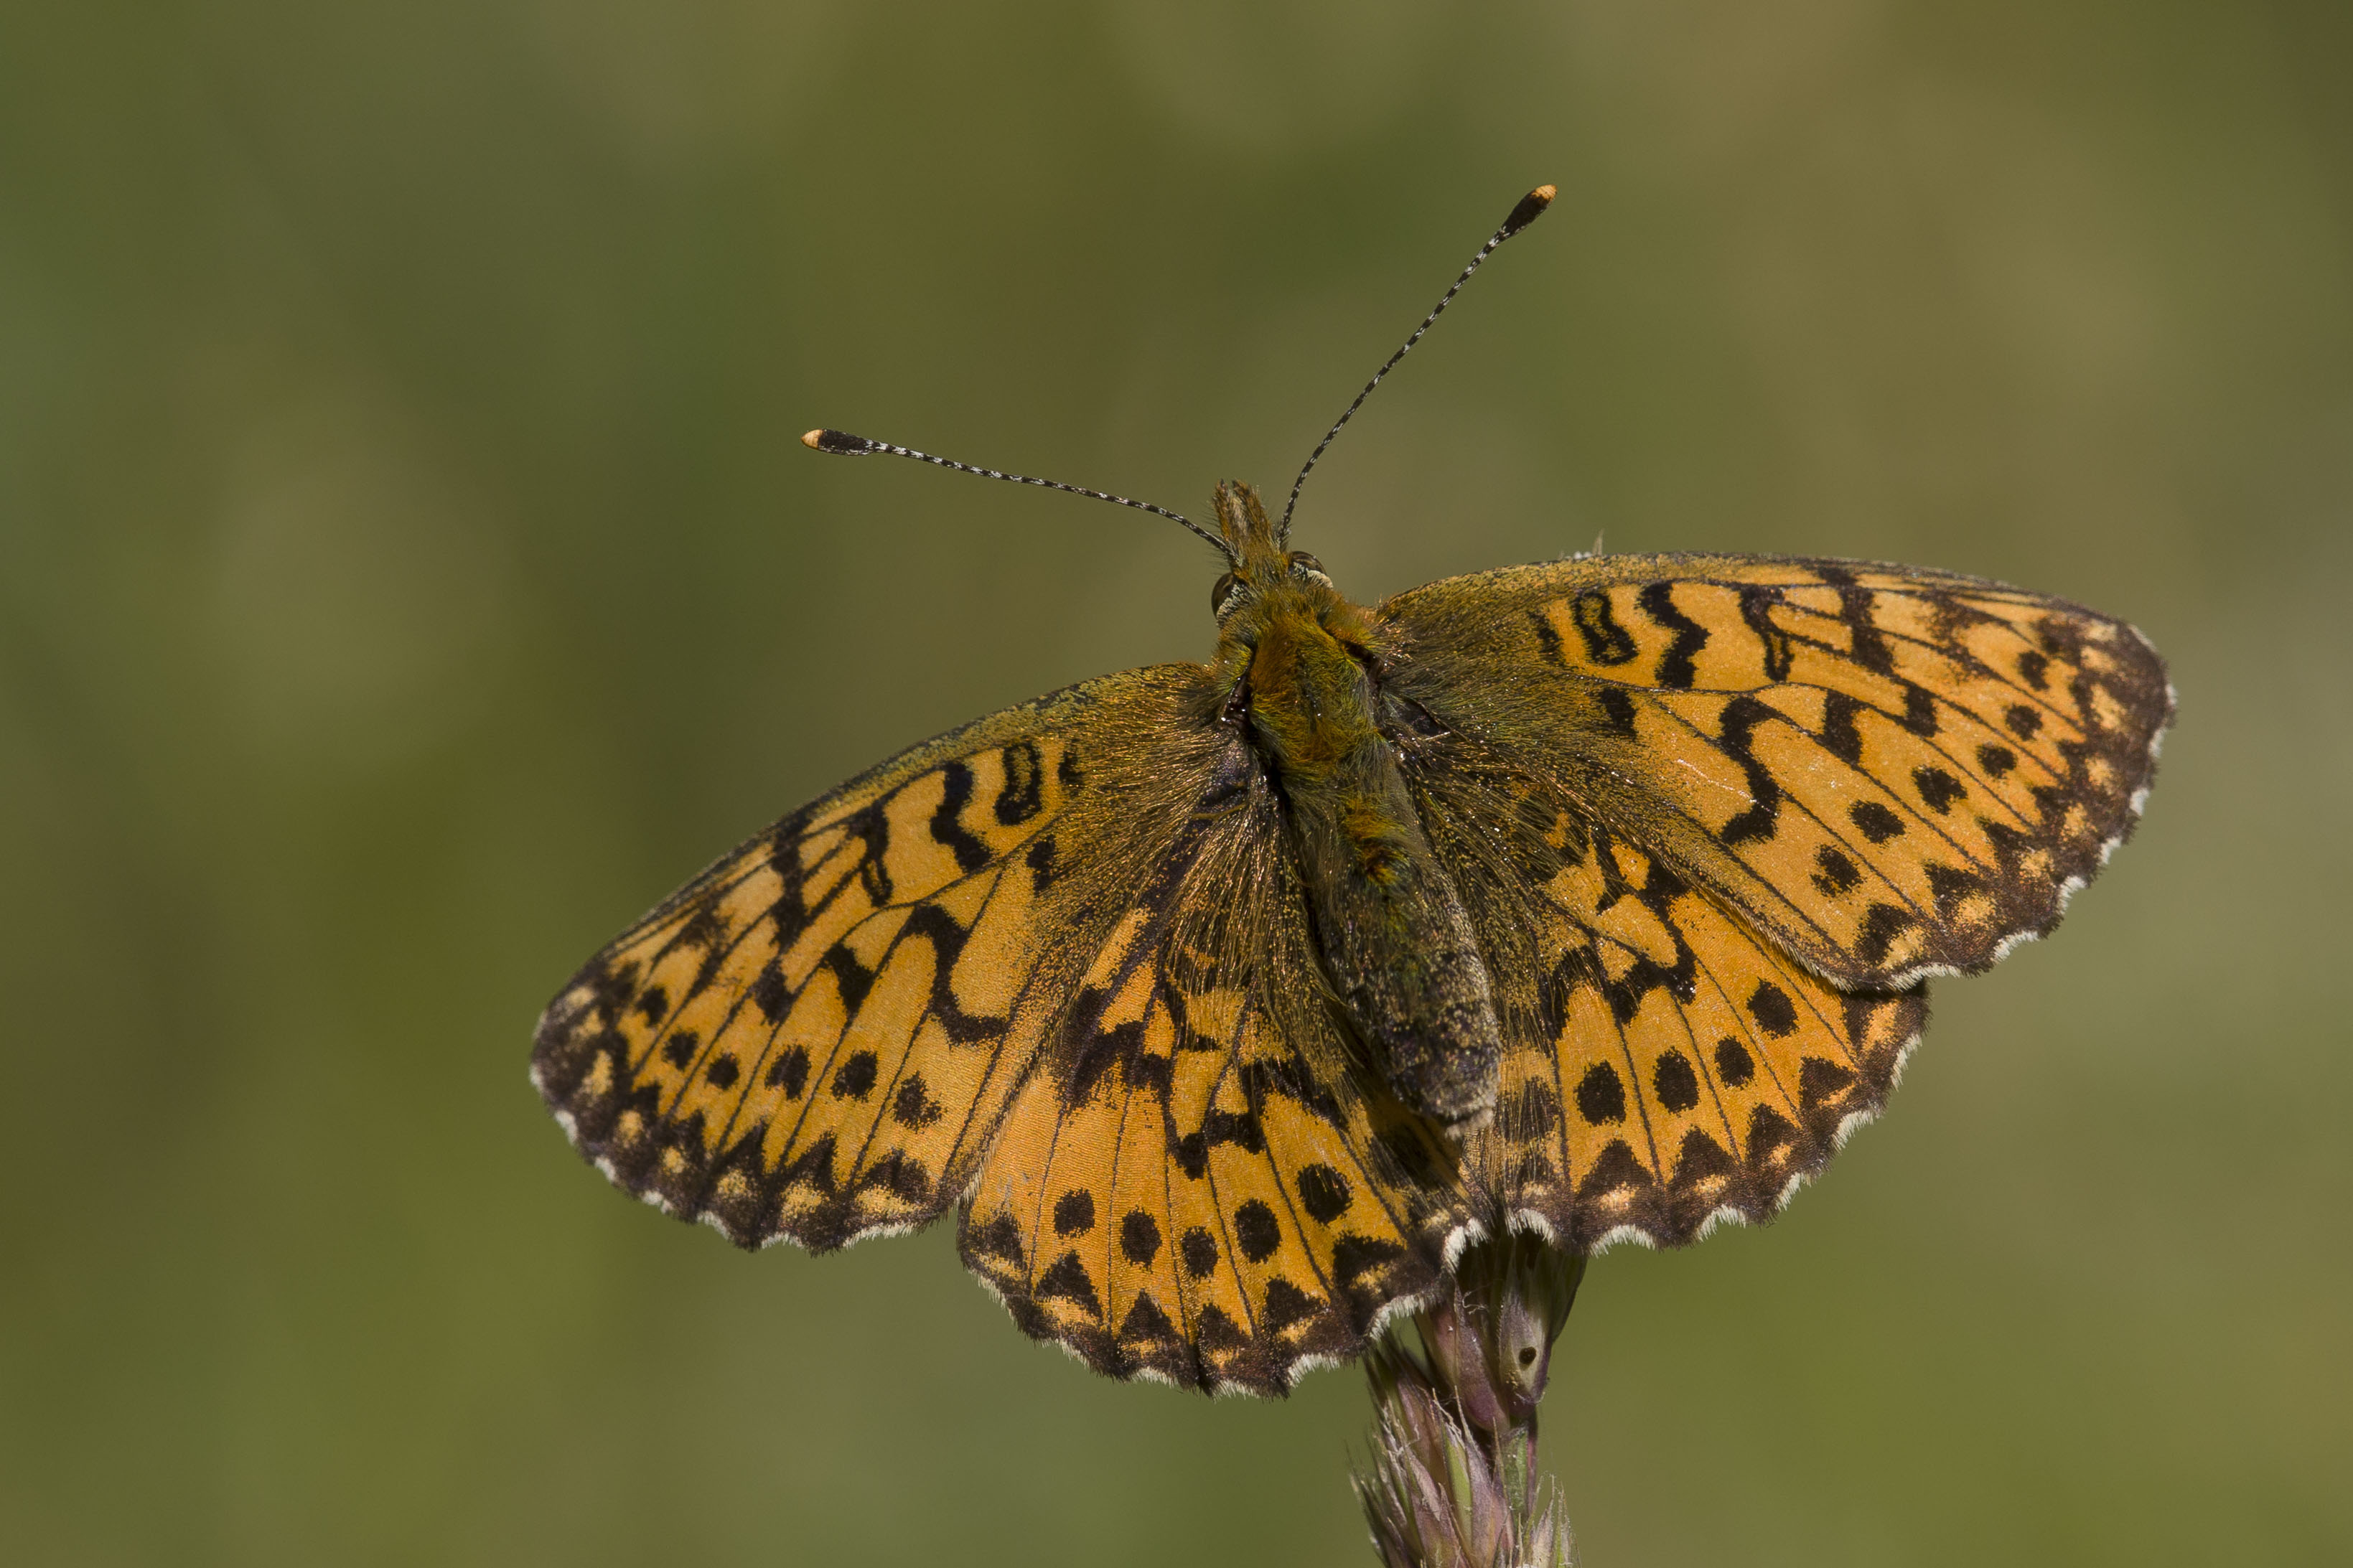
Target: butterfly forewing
1893,773
816,1037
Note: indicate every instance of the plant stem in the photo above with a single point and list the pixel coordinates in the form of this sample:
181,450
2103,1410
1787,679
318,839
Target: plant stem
1453,1481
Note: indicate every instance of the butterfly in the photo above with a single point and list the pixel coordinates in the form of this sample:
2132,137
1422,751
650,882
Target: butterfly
1225,1003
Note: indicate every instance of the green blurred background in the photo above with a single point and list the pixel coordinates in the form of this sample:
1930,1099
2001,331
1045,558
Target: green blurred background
408,574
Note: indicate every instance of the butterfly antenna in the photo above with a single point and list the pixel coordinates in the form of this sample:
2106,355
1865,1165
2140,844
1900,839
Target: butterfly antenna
843,444
1531,207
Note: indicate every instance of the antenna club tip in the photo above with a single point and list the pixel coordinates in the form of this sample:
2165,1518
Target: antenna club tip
841,442
1531,209
814,440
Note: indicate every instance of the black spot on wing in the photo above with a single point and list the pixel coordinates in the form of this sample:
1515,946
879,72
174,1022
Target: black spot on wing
1146,1320
1677,1084
1881,924
1949,885
1614,1169
998,1237
1548,640
1733,1063
1069,1280
704,928
1287,1304
871,828
1139,1237
1256,1231
855,1081
1938,788
1218,1332
902,1176
1323,1192
1700,1159
1354,1256
1820,1079
1102,1051
1834,873
1601,1095
853,979
970,853
1756,603
610,988
790,1072
812,1167
1875,821
1606,642
912,1107
1769,1131
1741,717
1044,871
770,994
1840,736
1919,711
1871,649
1618,709
1771,1007
1675,667
1024,794
1192,1155
931,923
1074,1213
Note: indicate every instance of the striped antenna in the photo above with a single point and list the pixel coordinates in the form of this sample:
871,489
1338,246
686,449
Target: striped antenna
843,444
1530,208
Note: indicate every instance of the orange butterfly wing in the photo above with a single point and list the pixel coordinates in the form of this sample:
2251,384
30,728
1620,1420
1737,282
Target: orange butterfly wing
1895,773
1053,965
1202,1188
816,1037
1716,818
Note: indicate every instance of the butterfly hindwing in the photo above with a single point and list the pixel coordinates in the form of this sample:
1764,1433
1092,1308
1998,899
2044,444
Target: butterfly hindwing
1665,1065
1200,1188
1893,772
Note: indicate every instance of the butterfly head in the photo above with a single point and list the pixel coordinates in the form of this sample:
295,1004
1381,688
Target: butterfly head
1260,564
1294,654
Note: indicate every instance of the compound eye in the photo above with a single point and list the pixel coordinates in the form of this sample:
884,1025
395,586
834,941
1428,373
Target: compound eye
1221,596
1303,562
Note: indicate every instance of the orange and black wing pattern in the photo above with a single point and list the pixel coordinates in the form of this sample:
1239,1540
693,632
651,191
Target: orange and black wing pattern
1665,1065
1893,773
1716,819
1049,966
1199,1187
